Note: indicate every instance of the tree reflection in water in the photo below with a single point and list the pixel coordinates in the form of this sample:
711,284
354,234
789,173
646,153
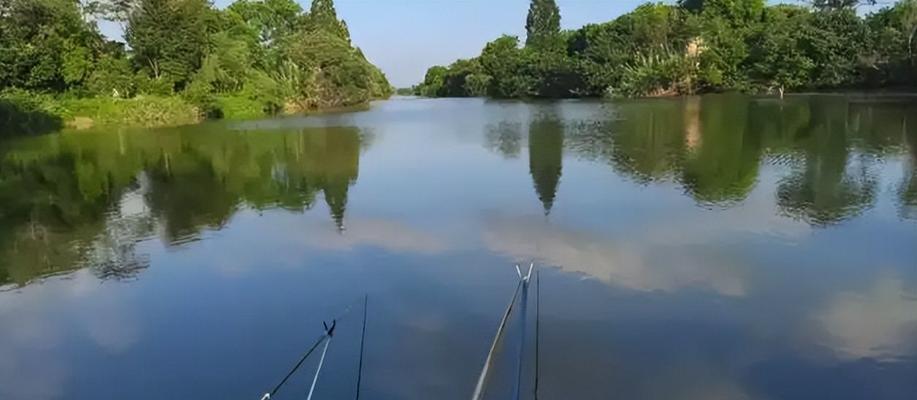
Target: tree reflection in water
85,200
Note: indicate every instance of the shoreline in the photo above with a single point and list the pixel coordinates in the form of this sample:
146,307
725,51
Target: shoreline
25,114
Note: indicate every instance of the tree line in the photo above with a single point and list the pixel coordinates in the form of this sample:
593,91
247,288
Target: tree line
255,56
693,46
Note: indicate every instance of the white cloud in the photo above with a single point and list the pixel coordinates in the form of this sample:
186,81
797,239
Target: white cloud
628,262
879,323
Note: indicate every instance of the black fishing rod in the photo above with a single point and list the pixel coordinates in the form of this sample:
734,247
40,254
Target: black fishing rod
324,338
362,341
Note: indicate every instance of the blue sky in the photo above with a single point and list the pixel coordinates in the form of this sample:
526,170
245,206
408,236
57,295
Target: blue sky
405,37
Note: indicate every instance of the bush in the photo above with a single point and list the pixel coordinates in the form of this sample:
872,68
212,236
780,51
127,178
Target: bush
22,112
657,75
153,87
239,107
112,77
142,111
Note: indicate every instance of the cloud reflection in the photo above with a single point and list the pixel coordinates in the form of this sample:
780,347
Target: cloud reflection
629,263
879,323
33,346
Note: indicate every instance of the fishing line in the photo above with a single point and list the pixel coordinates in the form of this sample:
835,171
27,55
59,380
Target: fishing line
295,367
362,341
306,355
321,361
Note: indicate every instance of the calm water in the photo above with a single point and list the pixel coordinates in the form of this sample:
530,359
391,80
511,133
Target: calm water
705,248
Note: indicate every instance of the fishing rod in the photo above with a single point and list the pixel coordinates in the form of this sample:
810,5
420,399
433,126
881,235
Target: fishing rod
537,328
485,371
517,391
362,341
328,332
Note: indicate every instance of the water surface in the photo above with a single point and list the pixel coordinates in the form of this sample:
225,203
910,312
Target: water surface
721,247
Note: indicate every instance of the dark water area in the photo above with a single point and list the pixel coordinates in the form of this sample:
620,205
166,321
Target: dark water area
720,247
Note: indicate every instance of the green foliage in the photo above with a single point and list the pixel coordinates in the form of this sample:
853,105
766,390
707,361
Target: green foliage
778,59
660,74
239,107
45,45
432,84
331,73
24,112
142,111
112,77
169,38
255,57
542,26
323,16
694,46
506,64
835,40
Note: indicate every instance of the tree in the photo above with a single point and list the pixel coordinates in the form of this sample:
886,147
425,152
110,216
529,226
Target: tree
778,59
169,38
433,81
330,71
324,16
834,41
271,19
507,65
542,25
46,45
908,22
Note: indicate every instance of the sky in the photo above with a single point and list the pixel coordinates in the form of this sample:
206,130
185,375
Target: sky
405,37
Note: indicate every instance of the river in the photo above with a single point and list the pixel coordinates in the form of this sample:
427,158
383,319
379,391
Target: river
717,247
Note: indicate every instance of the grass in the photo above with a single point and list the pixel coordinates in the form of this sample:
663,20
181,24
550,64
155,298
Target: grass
239,107
24,112
141,111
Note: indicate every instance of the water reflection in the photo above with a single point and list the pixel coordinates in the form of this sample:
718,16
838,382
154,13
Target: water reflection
546,153
879,323
828,187
77,200
714,147
907,191
703,247
505,138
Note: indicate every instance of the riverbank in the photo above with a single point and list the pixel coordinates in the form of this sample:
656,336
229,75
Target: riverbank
30,113
25,113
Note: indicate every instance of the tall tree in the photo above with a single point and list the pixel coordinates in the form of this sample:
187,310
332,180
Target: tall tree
324,16
542,26
169,37
45,44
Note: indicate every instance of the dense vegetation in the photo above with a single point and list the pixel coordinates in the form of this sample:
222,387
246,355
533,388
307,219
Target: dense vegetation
254,57
693,46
